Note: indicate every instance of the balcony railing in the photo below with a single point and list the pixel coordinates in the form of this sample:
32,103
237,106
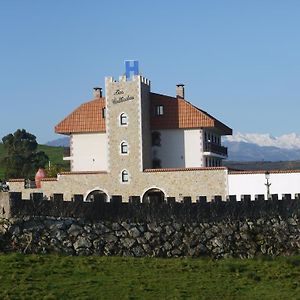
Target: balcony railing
214,148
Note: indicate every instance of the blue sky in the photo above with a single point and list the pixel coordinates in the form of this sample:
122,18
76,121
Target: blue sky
240,60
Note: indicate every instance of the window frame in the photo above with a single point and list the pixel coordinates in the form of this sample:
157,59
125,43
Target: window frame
124,148
159,110
123,119
124,176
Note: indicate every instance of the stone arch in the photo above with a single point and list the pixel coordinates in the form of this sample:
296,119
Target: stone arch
90,195
154,195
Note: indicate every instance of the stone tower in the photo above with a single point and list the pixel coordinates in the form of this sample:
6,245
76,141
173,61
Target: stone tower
128,128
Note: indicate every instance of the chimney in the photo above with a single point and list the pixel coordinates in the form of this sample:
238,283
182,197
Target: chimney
97,92
180,90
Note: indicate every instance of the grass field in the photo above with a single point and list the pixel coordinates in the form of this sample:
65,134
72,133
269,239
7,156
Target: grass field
55,155
61,277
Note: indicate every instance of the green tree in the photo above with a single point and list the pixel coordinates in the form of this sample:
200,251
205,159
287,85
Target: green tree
22,159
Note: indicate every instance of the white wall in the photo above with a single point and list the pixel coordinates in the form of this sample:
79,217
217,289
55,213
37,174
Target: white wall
179,148
171,150
193,147
89,152
252,184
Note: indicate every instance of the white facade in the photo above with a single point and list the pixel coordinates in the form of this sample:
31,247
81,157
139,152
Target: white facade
193,147
88,152
179,148
254,184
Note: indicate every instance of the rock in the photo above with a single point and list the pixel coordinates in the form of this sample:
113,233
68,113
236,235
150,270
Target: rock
116,226
176,252
126,225
147,248
82,242
177,226
75,230
138,251
58,226
169,230
134,232
100,229
111,238
127,242
87,228
141,240
292,221
60,235
167,246
121,233
148,235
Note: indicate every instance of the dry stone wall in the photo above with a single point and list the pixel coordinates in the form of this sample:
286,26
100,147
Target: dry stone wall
218,229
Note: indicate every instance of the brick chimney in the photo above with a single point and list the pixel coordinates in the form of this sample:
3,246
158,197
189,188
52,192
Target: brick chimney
97,92
180,90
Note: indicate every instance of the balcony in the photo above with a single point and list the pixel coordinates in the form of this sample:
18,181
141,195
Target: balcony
215,148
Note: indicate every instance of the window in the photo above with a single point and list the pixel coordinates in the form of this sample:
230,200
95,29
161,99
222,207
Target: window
156,141
123,119
125,176
156,163
124,148
103,112
159,110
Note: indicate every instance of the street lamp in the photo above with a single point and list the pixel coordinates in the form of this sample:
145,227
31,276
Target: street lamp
267,176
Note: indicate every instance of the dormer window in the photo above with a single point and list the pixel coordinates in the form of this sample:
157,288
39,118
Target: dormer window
123,119
159,110
103,112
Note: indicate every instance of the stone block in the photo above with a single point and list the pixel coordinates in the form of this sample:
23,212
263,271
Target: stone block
116,199
202,199
77,198
260,197
286,196
171,200
36,197
187,200
134,199
231,198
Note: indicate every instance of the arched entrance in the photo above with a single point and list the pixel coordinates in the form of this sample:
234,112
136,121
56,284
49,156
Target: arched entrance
154,195
96,194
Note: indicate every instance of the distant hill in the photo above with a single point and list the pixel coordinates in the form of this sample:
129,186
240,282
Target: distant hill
262,165
61,142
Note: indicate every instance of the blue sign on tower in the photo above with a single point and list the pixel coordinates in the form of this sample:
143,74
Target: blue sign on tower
131,66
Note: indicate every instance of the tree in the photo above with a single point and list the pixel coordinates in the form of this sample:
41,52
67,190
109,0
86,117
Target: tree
22,159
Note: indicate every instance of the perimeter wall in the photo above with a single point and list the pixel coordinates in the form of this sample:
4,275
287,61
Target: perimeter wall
169,229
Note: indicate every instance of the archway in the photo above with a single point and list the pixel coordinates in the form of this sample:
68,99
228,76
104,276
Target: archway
96,194
154,195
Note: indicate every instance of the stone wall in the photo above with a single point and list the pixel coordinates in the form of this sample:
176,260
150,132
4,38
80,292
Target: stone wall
216,229
188,182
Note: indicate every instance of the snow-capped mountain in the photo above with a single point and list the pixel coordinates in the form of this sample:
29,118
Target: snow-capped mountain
262,147
286,141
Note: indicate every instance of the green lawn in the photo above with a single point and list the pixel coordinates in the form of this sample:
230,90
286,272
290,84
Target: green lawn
60,277
55,155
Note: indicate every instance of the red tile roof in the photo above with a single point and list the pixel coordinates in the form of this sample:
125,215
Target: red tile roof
178,113
86,118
